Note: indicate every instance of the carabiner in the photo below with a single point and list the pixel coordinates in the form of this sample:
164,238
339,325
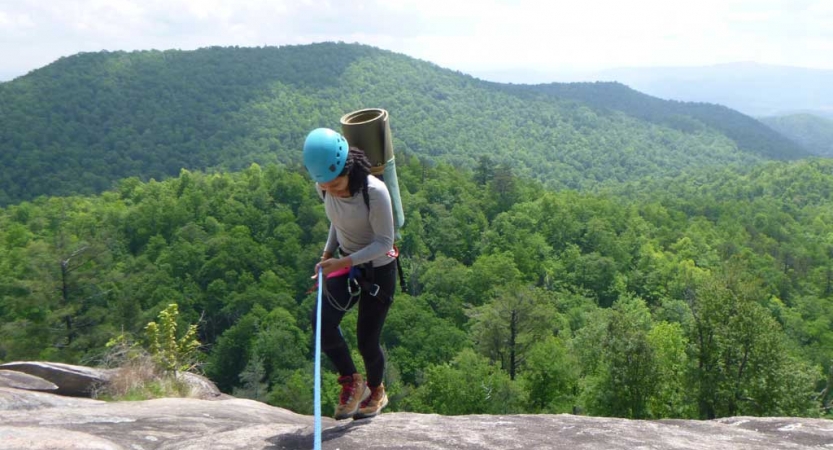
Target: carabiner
353,287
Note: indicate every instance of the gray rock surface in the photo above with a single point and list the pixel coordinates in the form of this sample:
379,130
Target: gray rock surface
81,381
202,387
153,424
20,380
178,424
18,399
76,381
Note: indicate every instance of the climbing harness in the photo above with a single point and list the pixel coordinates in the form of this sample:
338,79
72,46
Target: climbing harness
356,282
392,253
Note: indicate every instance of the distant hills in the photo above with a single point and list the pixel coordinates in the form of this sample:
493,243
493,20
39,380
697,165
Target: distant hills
83,122
687,117
754,89
812,132
751,88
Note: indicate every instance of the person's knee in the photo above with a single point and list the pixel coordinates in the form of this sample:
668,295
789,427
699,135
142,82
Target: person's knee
331,337
332,344
369,347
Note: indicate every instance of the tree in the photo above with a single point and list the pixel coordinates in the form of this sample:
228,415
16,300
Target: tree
485,170
505,328
231,353
280,345
504,188
171,350
469,384
416,337
627,371
445,279
551,376
489,273
740,353
253,380
670,396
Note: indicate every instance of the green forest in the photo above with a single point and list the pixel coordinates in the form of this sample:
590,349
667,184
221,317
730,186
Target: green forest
567,248
84,122
813,132
702,297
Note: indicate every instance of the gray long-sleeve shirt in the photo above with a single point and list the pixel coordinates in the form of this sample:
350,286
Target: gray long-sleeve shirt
365,233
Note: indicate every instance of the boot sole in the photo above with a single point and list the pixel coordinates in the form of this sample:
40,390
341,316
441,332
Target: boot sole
359,415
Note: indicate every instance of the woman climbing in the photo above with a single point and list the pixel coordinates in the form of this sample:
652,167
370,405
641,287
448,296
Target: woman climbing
358,265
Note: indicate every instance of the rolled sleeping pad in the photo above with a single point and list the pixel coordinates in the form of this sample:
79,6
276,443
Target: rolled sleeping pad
369,130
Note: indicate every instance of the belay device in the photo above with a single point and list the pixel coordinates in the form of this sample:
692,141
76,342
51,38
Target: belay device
369,130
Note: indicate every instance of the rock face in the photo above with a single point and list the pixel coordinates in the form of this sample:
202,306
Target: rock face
20,380
18,399
153,424
193,424
75,381
39,420
81,381
202,387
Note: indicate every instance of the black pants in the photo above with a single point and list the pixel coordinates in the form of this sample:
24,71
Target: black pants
372,313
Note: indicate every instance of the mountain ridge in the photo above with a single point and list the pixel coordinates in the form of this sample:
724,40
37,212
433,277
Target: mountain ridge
811,131
86,121
755,89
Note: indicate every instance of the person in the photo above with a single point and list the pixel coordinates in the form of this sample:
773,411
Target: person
358,265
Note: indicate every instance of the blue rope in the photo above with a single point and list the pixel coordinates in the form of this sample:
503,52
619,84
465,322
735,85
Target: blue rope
317,397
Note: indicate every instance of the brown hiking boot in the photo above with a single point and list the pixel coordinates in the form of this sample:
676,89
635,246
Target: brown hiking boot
353,392
377,400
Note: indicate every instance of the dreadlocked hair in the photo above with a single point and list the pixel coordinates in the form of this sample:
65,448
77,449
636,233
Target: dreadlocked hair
357,168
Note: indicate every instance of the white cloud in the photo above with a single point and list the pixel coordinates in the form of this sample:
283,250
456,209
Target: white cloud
15,23
459,34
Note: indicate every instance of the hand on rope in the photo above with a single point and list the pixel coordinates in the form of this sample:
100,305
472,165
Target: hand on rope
328,265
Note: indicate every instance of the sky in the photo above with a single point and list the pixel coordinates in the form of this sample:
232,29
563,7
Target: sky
487,38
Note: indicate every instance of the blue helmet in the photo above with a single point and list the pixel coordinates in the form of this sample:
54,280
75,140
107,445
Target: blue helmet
325,152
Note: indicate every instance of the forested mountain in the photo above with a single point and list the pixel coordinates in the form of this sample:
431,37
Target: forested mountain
813,132
748,133
86,121
703,296
678,287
